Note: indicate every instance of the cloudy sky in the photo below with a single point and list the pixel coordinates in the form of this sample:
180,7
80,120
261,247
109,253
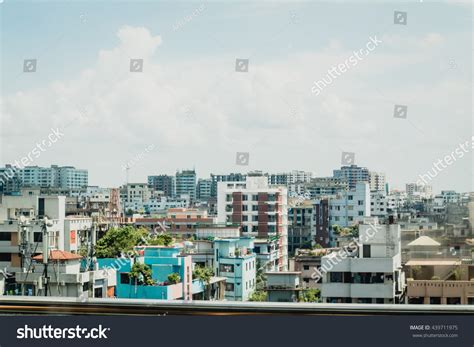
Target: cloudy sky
190,108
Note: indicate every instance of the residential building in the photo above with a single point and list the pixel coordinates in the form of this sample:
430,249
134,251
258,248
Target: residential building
164,183
204,189
65,278
233,177
259,208
267,254
300,225
289,178
350,207
377,181
186,184
417,191
368,271
321,226
54,176
320,187
134,196
306,262
236,261
353,174
283,286
163,204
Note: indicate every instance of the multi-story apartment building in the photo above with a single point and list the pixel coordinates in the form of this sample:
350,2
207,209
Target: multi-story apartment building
186,184
164,183
377,181
233,177
367,272
9,180
350,207
134,196
261,209
235,260
163,204
325,186
288,178
353,174
53,177
204,188
320,230
416,191
299,225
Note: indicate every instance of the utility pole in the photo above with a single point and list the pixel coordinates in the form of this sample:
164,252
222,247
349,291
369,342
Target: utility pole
46,224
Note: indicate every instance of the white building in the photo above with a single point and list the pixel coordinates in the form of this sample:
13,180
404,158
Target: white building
162,204
260,208
365,272
134,196
377,181
418,191
54,176
350,207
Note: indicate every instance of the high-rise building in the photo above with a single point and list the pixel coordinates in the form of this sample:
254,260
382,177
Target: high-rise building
65,177
377,181
418,191
320,229
353,174
299,225
350,207
324,186
204,188
261,210
164,183
233,177
186,183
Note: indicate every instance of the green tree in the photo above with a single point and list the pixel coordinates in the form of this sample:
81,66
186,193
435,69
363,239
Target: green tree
141,274
119,240
260,275
310,295
161,240
174,278
204,274
258,295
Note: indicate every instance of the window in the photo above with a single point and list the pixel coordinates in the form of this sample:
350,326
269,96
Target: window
254,197
366,251
335,277
350,197
257,249
245,218
229,287
254,207
360,213
124,278
5,257
38,237
305,267
5,236
360,202
226,267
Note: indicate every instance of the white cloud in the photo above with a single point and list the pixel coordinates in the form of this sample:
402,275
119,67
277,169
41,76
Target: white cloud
201,111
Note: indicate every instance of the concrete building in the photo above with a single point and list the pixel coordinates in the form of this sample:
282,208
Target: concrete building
164,183
163,204
233,177
320,229
353,174
134,196
283,286
65,278
321,187
204,189
186,184
54,176
259,208
377,181
300,222
416,191
350,207
236,261
306,261
267,253
367,272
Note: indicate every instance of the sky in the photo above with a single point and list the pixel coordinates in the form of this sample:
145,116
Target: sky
190,108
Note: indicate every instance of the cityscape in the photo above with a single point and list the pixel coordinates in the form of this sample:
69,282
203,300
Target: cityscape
255,236
237,173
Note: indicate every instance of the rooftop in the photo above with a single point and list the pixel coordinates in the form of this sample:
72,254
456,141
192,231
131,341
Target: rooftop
424,241
59,255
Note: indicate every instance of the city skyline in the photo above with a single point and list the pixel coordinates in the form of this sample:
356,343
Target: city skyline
196,110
